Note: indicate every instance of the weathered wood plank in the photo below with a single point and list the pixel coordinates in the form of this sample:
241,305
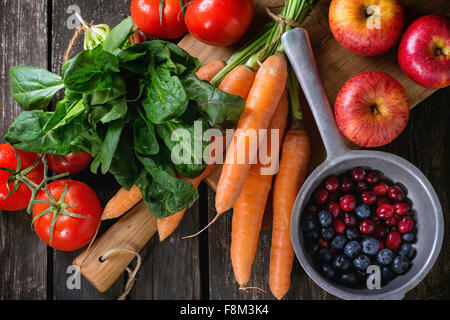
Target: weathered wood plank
170,269
104,11
23,257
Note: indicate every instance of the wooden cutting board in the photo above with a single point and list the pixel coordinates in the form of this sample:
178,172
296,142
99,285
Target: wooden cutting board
336,64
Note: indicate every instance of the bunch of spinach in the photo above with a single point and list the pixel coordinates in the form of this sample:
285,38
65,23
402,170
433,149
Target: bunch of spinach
122,104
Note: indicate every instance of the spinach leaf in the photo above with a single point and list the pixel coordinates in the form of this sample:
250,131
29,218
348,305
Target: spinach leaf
145,140
123,165
27,133
108,112
183,137
220,107
109,147
166,98
33,88
117,90
163,193
90,70
119,35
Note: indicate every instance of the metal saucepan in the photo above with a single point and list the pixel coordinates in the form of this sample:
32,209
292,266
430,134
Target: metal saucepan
427,209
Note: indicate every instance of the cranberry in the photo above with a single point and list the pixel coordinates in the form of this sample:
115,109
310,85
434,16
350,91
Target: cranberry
322,196
372,177
380,189
350,219
346,184
358,174
334,196
380,244
339,226
323,243
382,200
334,209
347,202
379,232
368,197
405,224
332,184
374,217
393,240
385,211
396,193
401,208
361,186
367,226
391,222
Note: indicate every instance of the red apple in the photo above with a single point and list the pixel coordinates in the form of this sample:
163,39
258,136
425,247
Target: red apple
366,27
371,109
424,51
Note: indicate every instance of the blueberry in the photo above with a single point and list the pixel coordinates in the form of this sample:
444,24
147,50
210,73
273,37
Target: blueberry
312,248
363,211
309,223
406,250
324,255
338,242
400,264
385,256
349,280
408,237
325,218
328,271
352,233
352,249
311,234
387,273
341,263
370,246
328,233
362,262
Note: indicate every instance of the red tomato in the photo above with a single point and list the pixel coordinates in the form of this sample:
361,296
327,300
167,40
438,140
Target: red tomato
71,163
21,197
219,22
145,14
69,233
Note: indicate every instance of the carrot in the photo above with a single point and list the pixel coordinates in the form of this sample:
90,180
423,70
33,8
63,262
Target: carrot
248,211
122,201
168,225
266,92
238,82
209,71
292,172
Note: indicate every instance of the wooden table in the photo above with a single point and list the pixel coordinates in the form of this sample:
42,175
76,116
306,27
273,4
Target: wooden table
35,32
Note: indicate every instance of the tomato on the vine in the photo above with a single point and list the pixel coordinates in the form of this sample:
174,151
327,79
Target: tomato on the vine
219,22
146,15
14,194
69,220
72,163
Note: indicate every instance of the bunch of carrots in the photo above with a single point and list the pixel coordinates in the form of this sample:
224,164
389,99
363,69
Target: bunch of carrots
242,186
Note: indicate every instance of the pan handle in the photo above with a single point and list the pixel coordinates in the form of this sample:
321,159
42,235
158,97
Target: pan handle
298,49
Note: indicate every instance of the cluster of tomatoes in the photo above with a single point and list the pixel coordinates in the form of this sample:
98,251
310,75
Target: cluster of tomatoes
66,213
215,22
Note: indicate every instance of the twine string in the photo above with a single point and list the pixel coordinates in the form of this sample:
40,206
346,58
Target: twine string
131,274
282,21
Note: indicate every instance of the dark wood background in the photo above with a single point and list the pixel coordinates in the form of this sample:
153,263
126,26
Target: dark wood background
35,32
